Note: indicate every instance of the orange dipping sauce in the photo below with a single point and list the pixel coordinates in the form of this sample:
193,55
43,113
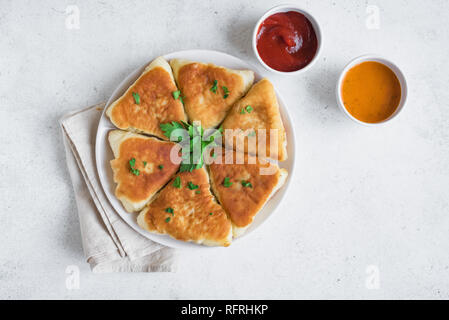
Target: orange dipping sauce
371,92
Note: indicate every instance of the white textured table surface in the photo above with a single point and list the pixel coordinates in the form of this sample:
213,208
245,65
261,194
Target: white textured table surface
364,202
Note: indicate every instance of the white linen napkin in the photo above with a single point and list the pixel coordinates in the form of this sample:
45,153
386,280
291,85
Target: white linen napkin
110,244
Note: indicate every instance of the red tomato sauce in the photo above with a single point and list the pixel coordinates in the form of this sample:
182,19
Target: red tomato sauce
286,41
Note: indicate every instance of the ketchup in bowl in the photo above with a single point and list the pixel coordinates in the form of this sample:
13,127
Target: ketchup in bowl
286,41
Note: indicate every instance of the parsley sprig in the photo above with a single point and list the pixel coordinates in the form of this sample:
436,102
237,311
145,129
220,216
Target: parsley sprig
191,138
169,128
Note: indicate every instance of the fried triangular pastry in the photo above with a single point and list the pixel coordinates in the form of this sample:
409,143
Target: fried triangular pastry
148,102
209,91
141,167
186,210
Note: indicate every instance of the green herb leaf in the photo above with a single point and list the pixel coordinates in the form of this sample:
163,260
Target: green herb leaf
160,167
211,213
185,124
177,182
144,163
246,184
169,210
168,128
242,111
192,186
176,94
214,87
132,163
198,141
187,167
226,92
227,182
248,109
197,191
136,97
167,220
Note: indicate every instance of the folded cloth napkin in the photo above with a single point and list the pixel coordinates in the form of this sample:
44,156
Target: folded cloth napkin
109,243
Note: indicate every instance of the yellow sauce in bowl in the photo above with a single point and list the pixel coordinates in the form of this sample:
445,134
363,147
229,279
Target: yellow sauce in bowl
371,92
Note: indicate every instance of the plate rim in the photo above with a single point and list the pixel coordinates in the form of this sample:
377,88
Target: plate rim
166,240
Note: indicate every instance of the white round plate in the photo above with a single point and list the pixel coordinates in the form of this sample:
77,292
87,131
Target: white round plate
104,154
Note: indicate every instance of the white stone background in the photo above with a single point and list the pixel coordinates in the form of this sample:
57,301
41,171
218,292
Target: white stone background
360,196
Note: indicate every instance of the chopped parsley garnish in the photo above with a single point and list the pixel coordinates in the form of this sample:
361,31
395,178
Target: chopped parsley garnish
176,94
169,210
160,167
168,128
144,163
177,182
211,213
226,92
167,220
133,170
193,140
192,186
227,182
248,109
214,87
136,97
246,184
197,191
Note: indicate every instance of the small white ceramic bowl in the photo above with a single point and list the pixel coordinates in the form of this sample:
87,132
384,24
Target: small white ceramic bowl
385,62
286,8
